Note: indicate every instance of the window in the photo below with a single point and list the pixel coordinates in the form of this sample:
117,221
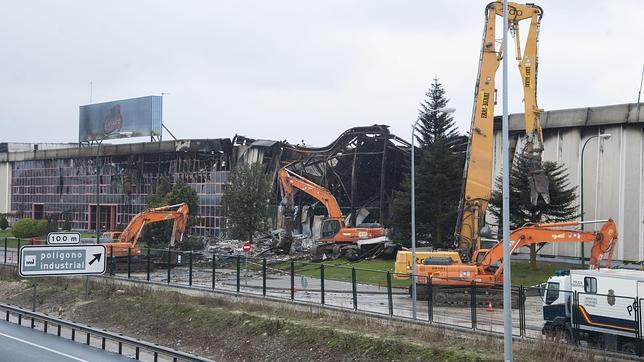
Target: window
552,292
590,285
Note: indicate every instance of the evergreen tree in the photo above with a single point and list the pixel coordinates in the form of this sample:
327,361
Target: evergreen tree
435,125
439,175
562,207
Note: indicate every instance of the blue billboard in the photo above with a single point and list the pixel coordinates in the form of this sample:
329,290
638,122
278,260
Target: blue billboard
134,117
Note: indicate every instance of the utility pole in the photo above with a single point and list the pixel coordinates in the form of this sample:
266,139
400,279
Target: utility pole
507,287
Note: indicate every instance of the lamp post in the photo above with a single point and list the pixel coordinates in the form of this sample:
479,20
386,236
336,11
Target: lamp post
581,187
98,180
413,212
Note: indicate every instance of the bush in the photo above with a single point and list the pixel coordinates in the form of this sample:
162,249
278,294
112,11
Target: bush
4,224
28,228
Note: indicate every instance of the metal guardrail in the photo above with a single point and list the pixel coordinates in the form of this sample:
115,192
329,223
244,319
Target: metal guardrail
51,322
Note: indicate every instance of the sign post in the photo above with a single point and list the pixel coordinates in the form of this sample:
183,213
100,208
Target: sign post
35,261
246,247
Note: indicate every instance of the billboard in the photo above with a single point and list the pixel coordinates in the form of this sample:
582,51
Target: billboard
135,117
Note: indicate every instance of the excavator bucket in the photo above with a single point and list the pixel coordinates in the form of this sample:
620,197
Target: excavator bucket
537,178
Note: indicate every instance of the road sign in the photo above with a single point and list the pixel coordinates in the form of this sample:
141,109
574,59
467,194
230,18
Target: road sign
61,260
246,247
63,238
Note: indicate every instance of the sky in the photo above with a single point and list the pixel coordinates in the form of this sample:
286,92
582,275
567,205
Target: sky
293,70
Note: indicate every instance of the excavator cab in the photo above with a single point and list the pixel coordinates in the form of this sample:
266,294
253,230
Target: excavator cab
330,227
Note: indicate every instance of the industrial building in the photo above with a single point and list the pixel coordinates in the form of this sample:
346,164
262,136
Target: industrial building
613,168
60,180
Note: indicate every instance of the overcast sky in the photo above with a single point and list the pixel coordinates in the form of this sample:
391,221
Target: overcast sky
292,70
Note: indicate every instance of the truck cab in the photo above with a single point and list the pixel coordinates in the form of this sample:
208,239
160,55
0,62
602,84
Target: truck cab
557,303
600,308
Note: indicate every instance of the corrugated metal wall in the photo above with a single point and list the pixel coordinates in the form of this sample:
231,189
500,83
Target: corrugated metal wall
613,173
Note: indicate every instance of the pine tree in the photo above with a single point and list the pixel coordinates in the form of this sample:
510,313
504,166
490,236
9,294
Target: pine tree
435,125
562,207
439,174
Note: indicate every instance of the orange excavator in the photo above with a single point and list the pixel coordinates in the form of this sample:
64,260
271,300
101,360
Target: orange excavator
335,235
451,280
127,240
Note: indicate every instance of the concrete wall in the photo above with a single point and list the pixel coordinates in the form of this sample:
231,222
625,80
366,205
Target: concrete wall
613,169
5,187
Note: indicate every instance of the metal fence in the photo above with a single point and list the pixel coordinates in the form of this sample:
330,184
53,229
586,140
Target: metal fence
475,306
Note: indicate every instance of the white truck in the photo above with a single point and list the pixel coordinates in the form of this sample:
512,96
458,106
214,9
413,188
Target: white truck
597,307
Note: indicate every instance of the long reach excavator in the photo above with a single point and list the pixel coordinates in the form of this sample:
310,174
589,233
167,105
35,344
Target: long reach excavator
470,262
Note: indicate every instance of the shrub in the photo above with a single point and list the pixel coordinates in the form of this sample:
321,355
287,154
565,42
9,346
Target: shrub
28,228
4,224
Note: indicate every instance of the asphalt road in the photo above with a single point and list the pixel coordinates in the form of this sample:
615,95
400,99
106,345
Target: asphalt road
24,344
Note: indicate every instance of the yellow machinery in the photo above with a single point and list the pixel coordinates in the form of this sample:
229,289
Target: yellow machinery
477,185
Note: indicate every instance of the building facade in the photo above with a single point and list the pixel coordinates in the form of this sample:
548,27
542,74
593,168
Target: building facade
613,168
62,183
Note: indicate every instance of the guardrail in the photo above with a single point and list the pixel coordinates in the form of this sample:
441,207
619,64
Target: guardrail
139,347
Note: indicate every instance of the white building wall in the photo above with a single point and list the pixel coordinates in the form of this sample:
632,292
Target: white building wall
5,187
613,170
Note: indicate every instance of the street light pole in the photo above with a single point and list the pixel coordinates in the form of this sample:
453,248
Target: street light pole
98,192
98,180
413,212
581,187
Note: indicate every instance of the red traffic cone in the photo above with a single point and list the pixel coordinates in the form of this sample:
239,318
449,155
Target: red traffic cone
489,307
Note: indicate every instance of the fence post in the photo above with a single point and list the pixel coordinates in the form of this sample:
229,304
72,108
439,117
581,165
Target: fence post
292,280
190,269
521,311
5,250
129,261
322,283
390,299
430,300
264,277
214,267
473,304
169,263
354,289
148,266
238,271
112,264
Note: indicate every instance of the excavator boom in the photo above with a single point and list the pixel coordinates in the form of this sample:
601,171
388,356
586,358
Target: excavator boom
477,185
132,233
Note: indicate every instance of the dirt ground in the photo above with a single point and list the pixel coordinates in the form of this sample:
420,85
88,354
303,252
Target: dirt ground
228,328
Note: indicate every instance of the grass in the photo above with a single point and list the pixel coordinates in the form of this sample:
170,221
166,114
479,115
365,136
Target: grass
522,275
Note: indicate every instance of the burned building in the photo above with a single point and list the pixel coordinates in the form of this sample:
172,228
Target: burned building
62,183
362,168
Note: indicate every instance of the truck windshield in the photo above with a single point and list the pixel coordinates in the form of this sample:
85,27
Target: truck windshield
552,292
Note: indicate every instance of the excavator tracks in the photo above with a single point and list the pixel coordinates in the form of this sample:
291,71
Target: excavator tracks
453,296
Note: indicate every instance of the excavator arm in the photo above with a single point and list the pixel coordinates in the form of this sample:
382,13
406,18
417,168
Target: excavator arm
477,185
289,180
130,236
604,241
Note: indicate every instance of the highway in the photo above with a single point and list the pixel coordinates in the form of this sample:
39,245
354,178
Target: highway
25,344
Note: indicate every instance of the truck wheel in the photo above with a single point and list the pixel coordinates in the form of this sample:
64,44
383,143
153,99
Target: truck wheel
629,348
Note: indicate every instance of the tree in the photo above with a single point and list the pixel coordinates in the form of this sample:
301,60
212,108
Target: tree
159,233
246,200
29,228
4,224
439,174
562,207
435,125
